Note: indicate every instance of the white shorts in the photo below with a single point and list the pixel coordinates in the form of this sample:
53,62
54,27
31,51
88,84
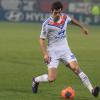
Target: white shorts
65,56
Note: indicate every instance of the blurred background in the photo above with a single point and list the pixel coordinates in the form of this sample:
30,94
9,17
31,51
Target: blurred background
87,11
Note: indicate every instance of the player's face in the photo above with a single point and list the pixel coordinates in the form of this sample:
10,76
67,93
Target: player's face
56,14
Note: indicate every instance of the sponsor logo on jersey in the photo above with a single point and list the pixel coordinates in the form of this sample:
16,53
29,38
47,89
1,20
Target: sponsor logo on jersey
60,34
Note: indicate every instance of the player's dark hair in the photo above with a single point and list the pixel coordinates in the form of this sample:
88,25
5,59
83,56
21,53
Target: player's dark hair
56,5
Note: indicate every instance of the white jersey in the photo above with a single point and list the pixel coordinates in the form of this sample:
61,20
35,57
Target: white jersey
55,32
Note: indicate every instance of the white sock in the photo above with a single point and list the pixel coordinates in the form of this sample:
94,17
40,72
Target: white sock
42,78
85,81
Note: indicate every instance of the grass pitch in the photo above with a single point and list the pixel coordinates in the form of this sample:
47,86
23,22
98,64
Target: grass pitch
20,59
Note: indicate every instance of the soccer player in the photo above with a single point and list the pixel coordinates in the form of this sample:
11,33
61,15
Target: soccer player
54,30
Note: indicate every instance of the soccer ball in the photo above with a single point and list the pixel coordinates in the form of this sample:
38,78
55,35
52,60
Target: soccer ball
68,93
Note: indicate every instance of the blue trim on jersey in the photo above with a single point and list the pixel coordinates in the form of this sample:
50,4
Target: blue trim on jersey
47,20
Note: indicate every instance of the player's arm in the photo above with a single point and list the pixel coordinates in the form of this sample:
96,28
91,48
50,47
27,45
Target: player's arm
44,50
75,22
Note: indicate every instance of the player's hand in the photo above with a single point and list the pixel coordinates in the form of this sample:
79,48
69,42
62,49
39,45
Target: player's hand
85,31
47,59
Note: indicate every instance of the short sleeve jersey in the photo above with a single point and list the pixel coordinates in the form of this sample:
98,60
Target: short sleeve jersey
55,32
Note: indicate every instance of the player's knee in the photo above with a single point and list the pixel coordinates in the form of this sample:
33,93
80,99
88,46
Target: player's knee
51,78
76,69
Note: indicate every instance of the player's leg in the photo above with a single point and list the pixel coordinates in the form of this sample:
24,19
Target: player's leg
52,74
75,68
71,61
50,77
73,65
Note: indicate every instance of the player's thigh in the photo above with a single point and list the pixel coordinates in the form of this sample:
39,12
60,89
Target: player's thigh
52,69
73,64
52,74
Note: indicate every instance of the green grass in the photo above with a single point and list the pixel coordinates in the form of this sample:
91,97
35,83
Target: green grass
20,59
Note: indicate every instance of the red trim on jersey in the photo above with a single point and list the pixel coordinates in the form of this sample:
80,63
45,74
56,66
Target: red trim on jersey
63,18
